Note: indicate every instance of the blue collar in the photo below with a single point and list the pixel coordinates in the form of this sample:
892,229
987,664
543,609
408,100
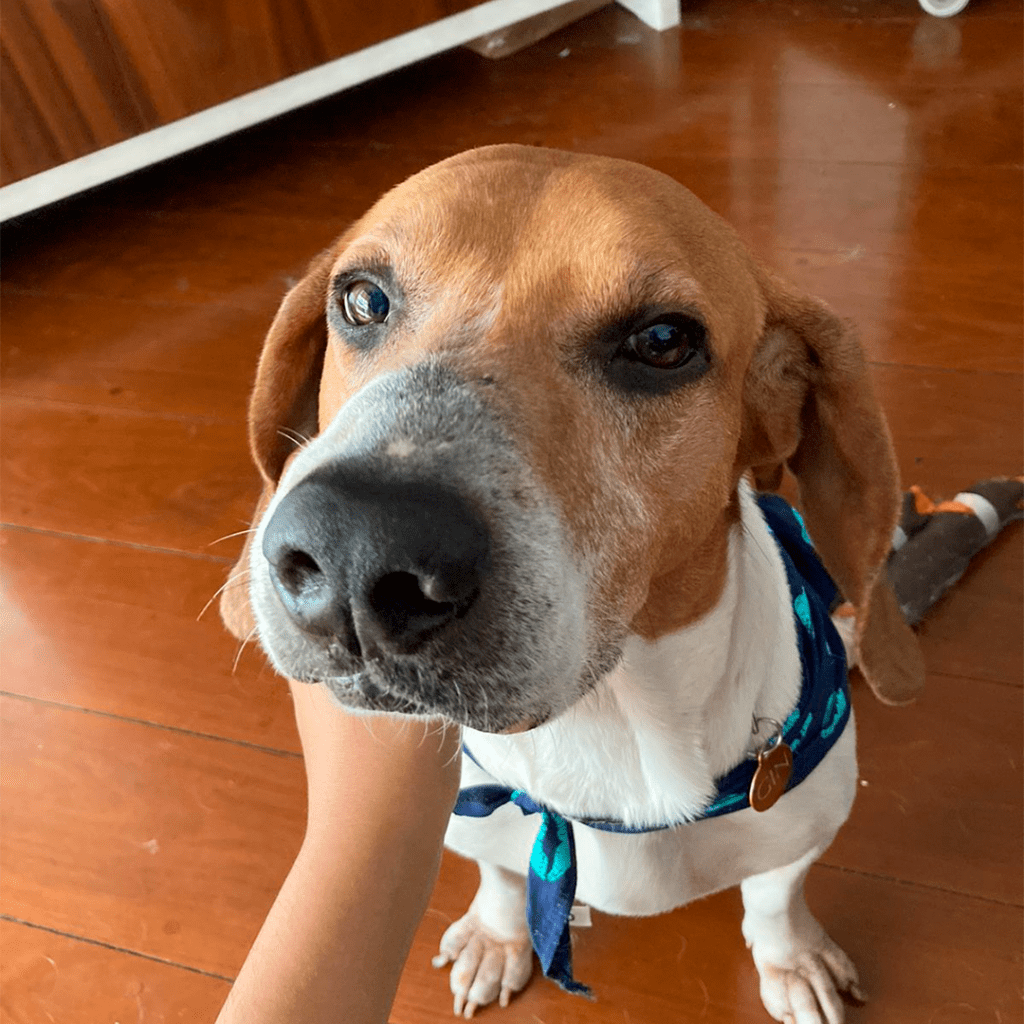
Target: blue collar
810,731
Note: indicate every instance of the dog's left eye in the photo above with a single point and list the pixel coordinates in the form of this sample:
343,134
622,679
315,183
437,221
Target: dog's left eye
363,302
668,345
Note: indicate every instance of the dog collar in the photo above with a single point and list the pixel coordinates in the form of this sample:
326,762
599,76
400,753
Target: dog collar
809,732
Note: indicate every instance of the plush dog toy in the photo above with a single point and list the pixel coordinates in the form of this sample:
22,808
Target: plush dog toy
934,543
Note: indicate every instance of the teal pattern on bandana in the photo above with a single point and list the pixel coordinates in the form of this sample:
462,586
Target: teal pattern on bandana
811,729
551,856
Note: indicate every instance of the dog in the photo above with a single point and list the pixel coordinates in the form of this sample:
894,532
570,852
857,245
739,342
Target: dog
535,395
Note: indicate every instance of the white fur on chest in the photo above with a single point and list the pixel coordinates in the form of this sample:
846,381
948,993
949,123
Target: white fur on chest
645,746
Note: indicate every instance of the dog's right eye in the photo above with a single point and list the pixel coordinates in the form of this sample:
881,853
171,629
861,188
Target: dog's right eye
363,302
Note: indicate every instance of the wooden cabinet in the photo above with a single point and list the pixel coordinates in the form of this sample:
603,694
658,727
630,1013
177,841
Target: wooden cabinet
78,75
93,89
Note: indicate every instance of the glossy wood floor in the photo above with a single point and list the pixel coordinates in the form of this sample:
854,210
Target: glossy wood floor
153,796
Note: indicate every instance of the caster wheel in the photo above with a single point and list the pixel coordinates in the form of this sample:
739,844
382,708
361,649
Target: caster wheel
943,8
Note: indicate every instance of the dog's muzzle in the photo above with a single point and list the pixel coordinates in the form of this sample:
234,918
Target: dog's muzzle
412,563
380,565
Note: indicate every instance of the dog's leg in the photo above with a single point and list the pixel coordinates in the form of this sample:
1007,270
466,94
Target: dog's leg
489,948
802,970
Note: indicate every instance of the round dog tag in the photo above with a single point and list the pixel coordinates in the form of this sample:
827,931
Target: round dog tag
774,767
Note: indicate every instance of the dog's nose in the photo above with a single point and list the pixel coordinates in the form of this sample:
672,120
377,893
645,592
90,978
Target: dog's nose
381,564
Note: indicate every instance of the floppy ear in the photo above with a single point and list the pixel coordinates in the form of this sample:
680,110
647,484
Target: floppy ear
809,404
284,398
283,403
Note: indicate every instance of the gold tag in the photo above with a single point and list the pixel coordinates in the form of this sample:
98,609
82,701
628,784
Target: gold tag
774,766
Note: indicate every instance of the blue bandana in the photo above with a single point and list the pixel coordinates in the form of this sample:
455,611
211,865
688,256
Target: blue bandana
810,731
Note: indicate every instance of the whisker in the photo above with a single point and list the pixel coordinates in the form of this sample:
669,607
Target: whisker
294,436
426,731
461,706
242,647
240,533
236,578
457,752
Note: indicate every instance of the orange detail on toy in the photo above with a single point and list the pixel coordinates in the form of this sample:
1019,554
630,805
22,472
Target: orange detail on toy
845,611
923,505
955,506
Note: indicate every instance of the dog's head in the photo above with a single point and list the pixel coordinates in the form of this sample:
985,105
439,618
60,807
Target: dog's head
533,381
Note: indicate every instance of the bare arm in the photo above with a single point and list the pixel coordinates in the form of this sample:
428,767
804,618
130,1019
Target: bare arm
335,941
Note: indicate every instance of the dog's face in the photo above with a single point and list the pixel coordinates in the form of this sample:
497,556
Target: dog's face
534,380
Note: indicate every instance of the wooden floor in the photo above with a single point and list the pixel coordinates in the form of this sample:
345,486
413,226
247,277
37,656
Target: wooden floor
153,795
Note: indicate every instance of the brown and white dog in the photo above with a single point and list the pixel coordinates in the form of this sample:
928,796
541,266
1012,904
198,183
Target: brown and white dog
532,390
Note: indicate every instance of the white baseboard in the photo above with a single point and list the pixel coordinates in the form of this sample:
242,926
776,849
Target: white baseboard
288,94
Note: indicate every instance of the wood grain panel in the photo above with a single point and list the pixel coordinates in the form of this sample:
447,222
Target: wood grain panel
149,840
203,258
183,359
174,848
182,484
78,77
134,648
935,311
48,977
162,482
115,629
691,964
940,789
874,156
933,314
252,174
648,90
951,428
833,222
925,957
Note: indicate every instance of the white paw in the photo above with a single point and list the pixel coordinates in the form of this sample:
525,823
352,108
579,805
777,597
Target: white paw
484,967
807,988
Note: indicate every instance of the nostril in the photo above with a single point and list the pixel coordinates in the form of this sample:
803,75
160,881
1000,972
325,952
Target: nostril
298,571
402,598
312,598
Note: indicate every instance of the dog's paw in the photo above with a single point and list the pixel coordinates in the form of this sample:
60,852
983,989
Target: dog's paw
484,967
807,987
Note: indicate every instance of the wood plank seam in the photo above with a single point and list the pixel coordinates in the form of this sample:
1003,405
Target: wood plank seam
916,886
920,886
61,706
975,680
225,560
10,919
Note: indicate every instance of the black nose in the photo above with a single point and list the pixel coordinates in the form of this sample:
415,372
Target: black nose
381,564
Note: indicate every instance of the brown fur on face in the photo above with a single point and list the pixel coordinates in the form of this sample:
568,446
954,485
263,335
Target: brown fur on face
507,263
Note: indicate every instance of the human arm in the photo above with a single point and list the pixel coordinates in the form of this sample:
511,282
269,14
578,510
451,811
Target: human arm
333,946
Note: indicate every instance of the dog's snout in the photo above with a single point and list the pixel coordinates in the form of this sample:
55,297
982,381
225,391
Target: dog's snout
379,564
